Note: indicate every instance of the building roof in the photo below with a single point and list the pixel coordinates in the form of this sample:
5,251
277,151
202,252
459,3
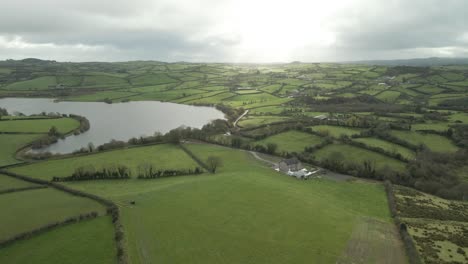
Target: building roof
291,161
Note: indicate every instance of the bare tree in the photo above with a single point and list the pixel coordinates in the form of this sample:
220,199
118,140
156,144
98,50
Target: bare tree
213,162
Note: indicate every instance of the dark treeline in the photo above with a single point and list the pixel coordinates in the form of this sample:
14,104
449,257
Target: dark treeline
112,172
147,171
22,189
362,103
430,172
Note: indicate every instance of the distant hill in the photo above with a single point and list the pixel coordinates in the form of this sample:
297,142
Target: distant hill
435,61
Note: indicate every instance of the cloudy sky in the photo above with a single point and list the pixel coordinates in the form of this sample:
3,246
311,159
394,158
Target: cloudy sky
232,30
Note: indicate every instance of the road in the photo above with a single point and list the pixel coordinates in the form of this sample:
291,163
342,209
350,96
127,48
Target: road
240,117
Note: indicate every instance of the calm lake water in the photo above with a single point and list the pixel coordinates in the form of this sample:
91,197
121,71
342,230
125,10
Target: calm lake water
119,121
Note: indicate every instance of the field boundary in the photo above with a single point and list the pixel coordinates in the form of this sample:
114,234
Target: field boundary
112,210
22,189
194,157
45,228
408,242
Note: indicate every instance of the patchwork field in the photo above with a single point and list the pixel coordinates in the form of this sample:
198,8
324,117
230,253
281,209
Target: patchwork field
163,156
10,144
7,183
358,155
25,211
90,241
292,141
434,142
335,131
259,225
387,146
63,125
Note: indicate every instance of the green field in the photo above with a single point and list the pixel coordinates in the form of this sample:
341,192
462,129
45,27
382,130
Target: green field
7,183
434,142
388,146
336,131
90,241
41,83
27,210
10,144
161,156
292,141
63,125
246,213
358,155
253,121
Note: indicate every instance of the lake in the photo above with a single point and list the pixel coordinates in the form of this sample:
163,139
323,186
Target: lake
119,121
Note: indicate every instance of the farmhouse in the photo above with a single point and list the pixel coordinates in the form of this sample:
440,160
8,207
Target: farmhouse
321,117
292,164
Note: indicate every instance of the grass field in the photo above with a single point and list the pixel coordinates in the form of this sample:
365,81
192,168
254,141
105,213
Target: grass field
63,125
434,142
90,241
246,213
336,131
10,144
388,146
161,156
7,182
27,210
359,155
253,121
292,141
40,83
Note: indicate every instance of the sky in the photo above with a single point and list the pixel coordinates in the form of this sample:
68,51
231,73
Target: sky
232,30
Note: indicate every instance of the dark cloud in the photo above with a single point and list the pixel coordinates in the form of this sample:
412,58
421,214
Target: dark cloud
173,30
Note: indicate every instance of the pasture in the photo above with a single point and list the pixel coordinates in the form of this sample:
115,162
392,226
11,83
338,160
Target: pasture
10,144
63,125
27,210
259,224
387,146
357,155
7,182
336,131
434,142
292,141
164,156
90,241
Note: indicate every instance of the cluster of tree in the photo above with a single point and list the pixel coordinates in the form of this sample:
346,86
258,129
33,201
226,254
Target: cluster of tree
325,142
231,113
336,162
84,123
455,104
436,173
51,138
3,112
459,134
148,171
113,172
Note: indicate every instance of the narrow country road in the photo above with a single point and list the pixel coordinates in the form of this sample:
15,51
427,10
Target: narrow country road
240,117
255,154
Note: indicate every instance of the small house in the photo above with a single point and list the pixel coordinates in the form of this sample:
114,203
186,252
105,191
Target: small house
292,164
